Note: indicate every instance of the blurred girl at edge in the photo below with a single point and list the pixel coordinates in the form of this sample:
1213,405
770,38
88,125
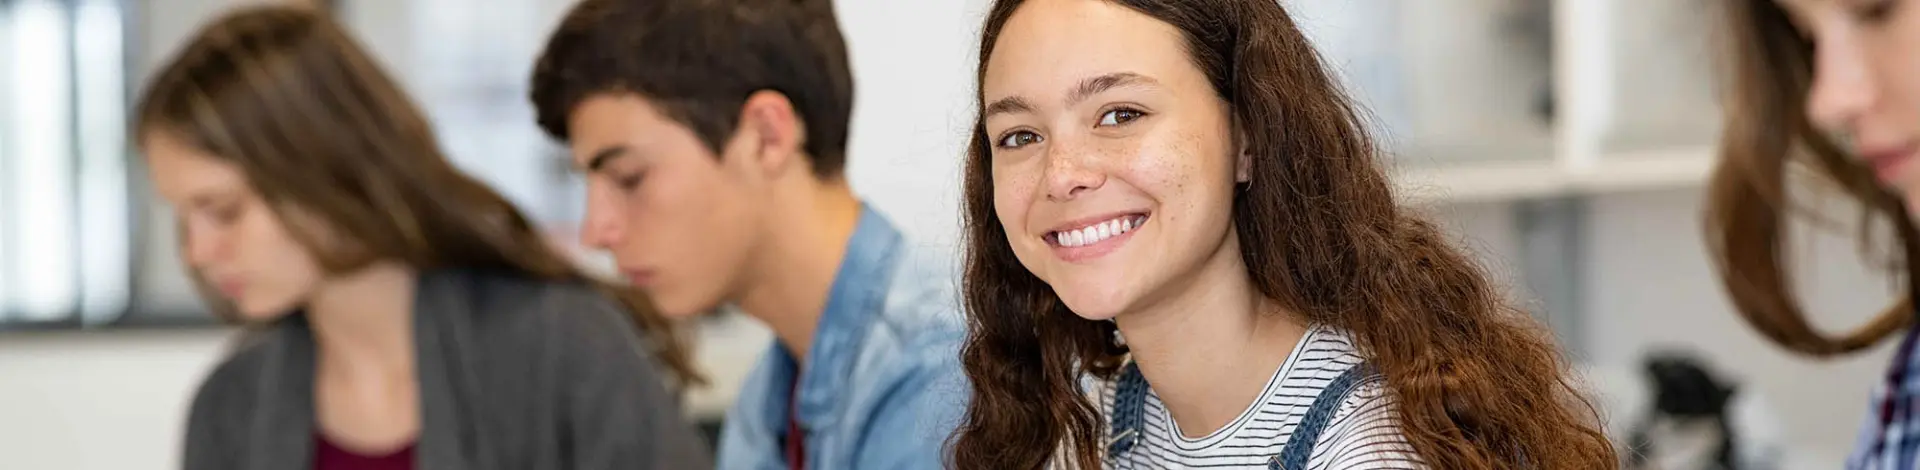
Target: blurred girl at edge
403,314
1832,86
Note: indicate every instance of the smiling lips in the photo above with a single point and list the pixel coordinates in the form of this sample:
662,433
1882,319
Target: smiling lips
1095,233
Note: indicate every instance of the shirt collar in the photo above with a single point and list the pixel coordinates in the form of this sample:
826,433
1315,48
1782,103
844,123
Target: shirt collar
858,295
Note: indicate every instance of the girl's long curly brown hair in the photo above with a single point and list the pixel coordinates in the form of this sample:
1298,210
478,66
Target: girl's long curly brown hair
1479,383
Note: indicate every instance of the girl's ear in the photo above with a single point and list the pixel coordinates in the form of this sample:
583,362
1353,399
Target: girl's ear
1243,161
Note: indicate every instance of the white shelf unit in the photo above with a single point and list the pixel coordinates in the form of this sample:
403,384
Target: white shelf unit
1509,180
1453,88
1536,107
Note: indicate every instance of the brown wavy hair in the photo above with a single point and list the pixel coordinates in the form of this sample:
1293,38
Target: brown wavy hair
1479,383
320,131
1767,138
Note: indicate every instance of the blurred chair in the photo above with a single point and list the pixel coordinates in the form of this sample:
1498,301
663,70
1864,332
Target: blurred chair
1673,412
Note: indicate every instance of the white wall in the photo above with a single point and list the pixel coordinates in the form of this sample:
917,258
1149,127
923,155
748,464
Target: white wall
912,108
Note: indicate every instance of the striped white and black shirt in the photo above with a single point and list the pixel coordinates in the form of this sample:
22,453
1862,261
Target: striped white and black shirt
1363,435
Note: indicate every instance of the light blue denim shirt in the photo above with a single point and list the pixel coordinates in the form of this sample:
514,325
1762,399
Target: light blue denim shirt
883,387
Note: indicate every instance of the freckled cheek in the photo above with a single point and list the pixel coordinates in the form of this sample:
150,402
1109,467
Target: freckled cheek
1187,174
1164,170
1013,192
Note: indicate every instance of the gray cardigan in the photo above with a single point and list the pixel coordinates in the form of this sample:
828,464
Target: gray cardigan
514,374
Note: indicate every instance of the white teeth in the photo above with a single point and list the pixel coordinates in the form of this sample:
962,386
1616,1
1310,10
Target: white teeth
1097,232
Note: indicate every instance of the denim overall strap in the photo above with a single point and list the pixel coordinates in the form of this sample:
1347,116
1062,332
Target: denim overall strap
1129,410
1300,447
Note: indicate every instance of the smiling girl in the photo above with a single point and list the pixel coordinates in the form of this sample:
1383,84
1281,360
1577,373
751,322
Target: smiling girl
1183,252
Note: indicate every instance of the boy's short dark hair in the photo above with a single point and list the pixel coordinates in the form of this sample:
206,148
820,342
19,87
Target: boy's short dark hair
698,60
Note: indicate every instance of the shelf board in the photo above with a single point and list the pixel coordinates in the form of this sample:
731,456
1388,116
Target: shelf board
1497,181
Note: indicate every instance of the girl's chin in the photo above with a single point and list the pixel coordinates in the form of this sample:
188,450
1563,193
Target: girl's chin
1094,309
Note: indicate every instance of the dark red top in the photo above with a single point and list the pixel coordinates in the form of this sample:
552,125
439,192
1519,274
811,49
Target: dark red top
796,437
329,456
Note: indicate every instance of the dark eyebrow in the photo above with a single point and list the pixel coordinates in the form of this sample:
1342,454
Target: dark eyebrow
1011,104
1096,85
603,156
1086,89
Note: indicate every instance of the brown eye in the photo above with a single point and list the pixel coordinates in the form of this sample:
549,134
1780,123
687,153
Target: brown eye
1120,116
1017,139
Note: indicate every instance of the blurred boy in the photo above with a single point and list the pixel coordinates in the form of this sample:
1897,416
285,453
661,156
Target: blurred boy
714,137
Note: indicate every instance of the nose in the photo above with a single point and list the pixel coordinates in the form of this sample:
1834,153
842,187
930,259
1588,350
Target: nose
1071,172
602,227
1843,89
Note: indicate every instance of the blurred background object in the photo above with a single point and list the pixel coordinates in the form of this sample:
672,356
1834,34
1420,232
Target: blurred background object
1693,419
1565,141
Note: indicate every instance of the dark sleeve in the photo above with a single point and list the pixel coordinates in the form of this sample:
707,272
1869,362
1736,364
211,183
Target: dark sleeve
219,408
620,411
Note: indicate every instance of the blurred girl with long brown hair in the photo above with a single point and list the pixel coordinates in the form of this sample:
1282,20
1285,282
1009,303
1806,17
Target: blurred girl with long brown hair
1831,87
1182,252
401,313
